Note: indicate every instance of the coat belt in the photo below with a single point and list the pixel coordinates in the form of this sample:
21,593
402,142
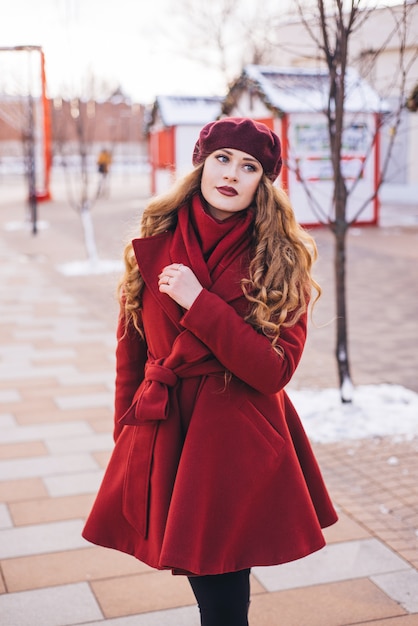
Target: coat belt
153,403
153,397
150,407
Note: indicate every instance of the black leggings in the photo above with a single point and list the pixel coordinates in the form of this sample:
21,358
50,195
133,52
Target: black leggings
223,599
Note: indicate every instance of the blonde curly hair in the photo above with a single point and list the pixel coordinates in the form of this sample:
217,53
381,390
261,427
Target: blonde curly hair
279,283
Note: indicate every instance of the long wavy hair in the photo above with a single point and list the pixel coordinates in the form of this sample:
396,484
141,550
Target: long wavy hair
279,284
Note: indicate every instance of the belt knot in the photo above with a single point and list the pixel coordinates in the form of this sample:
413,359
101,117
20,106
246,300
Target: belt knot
153,402
160,374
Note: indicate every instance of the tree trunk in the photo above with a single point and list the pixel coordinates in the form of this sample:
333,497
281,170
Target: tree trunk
89,238
341,353
31,170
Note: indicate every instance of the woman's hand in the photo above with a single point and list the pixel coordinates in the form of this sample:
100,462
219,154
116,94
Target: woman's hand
179,282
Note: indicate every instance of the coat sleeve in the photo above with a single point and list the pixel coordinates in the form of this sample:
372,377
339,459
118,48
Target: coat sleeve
131,355
240,348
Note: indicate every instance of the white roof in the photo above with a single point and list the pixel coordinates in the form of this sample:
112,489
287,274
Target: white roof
294,90
188,110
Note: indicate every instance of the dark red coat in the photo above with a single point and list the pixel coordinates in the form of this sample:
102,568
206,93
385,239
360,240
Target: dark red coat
209,474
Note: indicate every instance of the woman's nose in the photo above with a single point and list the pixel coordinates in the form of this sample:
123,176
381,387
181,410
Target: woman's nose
231,173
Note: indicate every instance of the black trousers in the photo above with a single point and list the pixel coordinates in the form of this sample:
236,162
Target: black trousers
223,599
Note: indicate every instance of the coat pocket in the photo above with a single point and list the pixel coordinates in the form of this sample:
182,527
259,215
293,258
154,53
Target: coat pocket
136,487
262,427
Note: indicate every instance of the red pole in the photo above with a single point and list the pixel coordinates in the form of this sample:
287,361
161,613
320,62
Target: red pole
376,169
45,194
285,152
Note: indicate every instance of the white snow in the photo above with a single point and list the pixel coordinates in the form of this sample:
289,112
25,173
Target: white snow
26,225
376,411
190,110
347,390
90,267
301,89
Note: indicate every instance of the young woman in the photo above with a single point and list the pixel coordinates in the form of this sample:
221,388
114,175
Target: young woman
212,472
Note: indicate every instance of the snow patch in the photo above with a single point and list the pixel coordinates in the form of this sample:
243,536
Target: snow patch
26,225
90,267
376,411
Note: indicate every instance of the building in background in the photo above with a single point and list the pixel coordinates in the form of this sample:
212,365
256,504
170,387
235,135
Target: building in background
77,125
375,53
291,102
173,127
116,124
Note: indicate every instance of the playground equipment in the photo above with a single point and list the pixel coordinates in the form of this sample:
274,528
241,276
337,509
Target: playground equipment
25,116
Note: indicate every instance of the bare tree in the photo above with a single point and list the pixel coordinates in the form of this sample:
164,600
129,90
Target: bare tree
28,136
225,34
223,25
74,129
331,26
80,195
412,102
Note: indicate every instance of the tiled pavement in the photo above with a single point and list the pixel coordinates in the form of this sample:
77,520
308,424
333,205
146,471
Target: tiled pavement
56,379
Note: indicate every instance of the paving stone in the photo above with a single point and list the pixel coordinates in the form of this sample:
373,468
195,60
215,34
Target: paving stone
81,377
31,385
9,395
405,620
85,401
345,603
184,616
46,466
7,420
400,586
41,510
29,353
21,371
59,568
5,519
53,354
55,416
341,561
85,443
41,392
20,450
142,593
41,538
411,556
346,529
102,458
15,352
13,490
54,606
102,421
72,484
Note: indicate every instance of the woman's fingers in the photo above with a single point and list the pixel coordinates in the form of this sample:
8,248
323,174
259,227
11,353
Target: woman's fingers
180,283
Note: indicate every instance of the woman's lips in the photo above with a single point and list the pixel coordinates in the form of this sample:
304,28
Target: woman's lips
227,191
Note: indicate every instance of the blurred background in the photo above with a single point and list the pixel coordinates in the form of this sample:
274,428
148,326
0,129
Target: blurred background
78,77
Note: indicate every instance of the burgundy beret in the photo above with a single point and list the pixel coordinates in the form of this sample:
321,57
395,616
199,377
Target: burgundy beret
241,133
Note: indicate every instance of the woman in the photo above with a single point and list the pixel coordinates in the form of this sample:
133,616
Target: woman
212,472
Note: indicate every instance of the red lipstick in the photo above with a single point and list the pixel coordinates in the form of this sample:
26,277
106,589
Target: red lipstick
227,191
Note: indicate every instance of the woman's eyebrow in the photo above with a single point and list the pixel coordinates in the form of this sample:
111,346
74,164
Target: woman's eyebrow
246,158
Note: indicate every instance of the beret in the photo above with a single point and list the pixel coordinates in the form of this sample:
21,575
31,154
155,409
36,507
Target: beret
245,134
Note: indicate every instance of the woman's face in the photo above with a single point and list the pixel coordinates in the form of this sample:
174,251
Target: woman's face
229,181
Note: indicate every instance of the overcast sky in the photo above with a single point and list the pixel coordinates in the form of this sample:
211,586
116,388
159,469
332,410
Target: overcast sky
118,40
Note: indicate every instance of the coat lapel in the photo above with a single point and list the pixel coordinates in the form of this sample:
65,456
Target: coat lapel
152,254
181,246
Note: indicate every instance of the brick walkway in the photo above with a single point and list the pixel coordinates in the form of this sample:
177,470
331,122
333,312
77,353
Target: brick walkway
56,388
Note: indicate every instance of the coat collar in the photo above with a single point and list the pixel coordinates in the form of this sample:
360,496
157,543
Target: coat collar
221,274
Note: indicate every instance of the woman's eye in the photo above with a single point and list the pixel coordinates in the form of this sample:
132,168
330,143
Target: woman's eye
222,158
249,168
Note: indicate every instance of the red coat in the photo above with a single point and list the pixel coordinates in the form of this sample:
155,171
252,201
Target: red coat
209,473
